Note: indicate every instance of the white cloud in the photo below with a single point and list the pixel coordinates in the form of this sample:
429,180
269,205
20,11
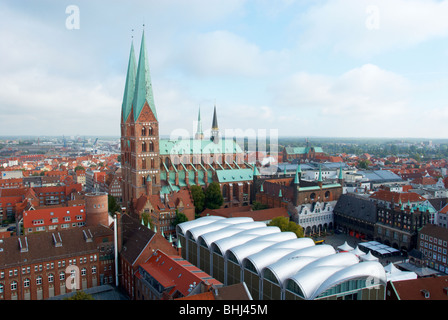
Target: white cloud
365,28
222,53
359,98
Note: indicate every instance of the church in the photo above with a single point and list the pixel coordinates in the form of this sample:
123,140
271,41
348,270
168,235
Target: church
155,166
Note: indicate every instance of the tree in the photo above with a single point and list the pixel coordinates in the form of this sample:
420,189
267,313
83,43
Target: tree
213,196
179,218
258,206
286,225
198,198
80,295
112,203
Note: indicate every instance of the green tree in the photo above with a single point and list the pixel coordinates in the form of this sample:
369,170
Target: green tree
198,198
179,218
258,206
80,295
213,196
113,205
146,218
286,225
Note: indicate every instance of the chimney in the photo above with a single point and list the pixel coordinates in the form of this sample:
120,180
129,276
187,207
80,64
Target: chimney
118,242
118,229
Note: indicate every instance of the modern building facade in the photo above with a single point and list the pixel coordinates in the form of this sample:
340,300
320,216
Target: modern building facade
277,265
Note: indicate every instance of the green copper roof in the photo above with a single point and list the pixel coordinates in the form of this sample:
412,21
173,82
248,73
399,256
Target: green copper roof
143,87
130,86
235,175
320,173
196,146
302,150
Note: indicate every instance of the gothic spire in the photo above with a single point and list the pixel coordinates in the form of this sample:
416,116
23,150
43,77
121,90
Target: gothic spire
143,87
130,86
215,120
199,132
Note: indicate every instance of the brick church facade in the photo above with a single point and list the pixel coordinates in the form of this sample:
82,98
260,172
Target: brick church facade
155,166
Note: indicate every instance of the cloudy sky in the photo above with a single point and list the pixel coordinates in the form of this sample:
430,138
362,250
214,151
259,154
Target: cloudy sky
336,68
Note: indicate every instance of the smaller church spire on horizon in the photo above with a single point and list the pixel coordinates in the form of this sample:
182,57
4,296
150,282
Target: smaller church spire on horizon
215,128
199,132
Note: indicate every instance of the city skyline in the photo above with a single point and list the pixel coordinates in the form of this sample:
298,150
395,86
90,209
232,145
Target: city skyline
327,68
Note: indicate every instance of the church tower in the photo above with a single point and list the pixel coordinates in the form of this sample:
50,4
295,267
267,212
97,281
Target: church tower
215,129
199,133
139,131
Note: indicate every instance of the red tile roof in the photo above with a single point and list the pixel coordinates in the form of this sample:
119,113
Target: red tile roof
390,196
47,214
176,273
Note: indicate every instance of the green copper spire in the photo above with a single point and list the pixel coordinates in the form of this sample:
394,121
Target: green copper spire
340,173
261,188
199,132
143,87
320,174
256,172
280,193
129,88
296,178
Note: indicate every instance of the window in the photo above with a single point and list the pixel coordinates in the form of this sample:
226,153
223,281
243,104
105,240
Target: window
13,285
94,270
26,283
39,280
62,275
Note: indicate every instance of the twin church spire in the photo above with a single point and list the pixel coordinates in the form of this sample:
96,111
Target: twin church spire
138,91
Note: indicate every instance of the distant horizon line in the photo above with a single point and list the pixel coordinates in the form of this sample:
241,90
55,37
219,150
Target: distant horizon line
280,137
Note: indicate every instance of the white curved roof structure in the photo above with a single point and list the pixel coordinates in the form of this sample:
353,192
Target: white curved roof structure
310,280
277,251
343,259
242,251
293,262
226,243
185,226
210,237
315,281
217,225
373,272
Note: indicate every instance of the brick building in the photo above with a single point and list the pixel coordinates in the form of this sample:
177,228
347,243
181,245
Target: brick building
162,209
433,244
136,243
397,225
53,218
299,196
36,266
151,165
168,277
